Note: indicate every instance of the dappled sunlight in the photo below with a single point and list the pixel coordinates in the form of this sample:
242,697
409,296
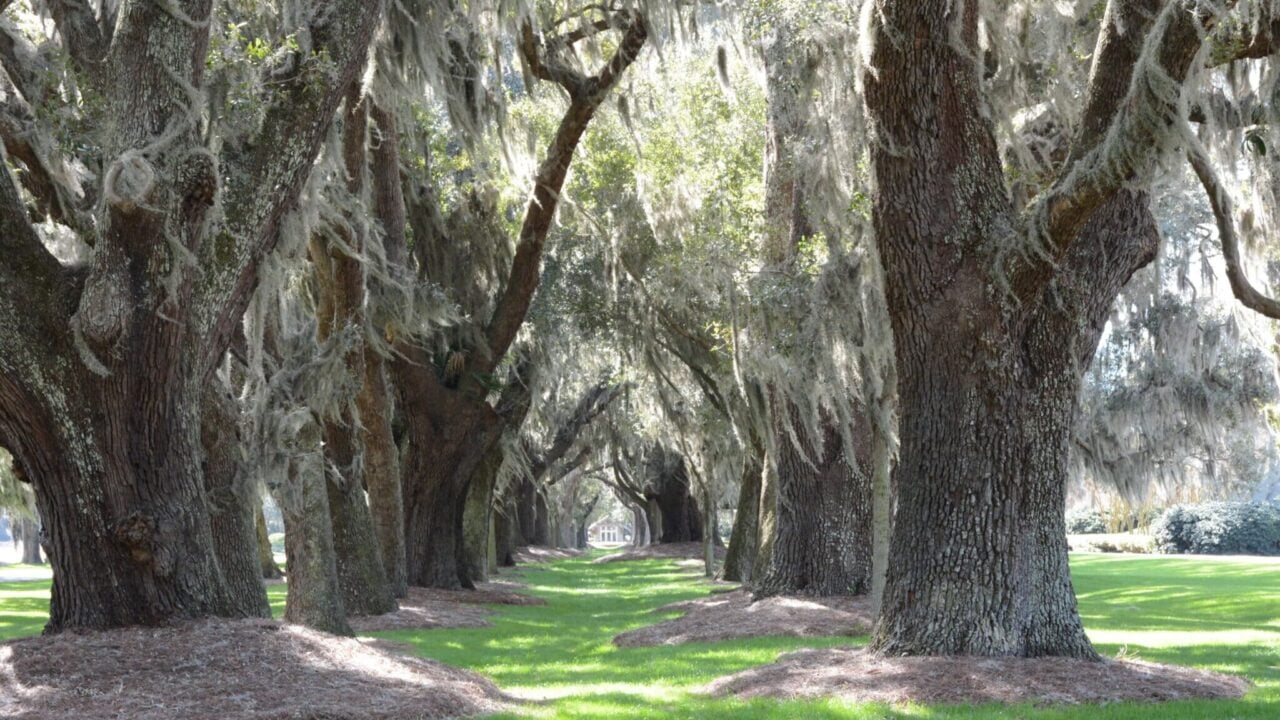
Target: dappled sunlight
1218,615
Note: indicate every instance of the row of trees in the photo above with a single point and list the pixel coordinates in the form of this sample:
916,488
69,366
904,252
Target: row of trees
297,245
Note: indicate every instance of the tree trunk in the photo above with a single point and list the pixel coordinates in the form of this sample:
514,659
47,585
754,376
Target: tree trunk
340,299
232,498
669,482
744,538
28,533
526,506
990,348
314,596
129,541
881,517
504,534
768,524
382,471
266,555
541,520
477,516
448,440
823,536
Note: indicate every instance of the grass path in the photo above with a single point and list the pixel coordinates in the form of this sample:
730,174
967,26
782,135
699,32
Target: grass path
1222,615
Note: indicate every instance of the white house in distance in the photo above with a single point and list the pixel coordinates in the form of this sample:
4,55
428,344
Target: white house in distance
608,532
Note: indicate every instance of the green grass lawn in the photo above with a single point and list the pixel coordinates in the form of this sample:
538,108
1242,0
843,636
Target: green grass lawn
1223,615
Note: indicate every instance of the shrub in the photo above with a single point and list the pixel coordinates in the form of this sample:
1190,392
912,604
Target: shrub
1220,528
1083,522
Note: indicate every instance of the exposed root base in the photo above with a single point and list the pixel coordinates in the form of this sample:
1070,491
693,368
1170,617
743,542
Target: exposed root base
732,615
854,675
231,670
664,551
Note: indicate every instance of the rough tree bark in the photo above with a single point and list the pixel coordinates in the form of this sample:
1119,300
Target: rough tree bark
232,499
314,595
823,540
991,343
339,272
102,367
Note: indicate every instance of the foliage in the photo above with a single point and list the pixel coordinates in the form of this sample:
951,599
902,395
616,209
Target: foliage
1221,528
1085,522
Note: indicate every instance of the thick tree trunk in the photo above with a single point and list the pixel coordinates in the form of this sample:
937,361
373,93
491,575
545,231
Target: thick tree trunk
823,540
992,334
768,523
266,555
28,533
744,538
129,541
382,471
477,517
362,578
541,520
232,499
314,596
448,441
668,480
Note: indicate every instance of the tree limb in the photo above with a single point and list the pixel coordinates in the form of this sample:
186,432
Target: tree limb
1130,107
81,33
1220,201
267,173
522,282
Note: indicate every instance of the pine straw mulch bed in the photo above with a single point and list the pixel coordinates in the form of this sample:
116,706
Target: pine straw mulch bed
733,616
854,675
431,608
230,670
661,551
542,554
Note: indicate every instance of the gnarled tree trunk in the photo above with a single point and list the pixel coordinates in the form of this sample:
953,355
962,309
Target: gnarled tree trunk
823,541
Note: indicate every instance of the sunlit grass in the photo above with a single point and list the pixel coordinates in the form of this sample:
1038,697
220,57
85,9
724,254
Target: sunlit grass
1216,614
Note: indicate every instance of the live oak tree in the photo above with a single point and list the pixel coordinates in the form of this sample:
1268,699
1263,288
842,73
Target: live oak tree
103,363
997,308
449,422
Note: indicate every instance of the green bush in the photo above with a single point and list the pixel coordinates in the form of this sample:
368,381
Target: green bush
1220,528
277,542
1084,522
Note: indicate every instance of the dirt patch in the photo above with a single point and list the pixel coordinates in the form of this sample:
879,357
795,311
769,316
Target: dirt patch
231,670
732,616
854,675
541,554
662,551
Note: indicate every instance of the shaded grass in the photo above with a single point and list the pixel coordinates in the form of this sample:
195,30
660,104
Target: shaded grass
1223,615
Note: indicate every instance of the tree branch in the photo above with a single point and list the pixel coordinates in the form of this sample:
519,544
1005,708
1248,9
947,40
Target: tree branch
267,173
22,62
589,407
1145,52
522,282
1220,201
44,171
81,33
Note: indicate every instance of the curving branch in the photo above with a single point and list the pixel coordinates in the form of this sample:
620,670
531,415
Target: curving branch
1220,201
1145,52
586,96
594,402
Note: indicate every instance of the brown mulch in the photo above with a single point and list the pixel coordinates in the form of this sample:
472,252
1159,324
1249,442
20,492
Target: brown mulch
732,616
854,675
541,554
431,608
230,670
661,551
